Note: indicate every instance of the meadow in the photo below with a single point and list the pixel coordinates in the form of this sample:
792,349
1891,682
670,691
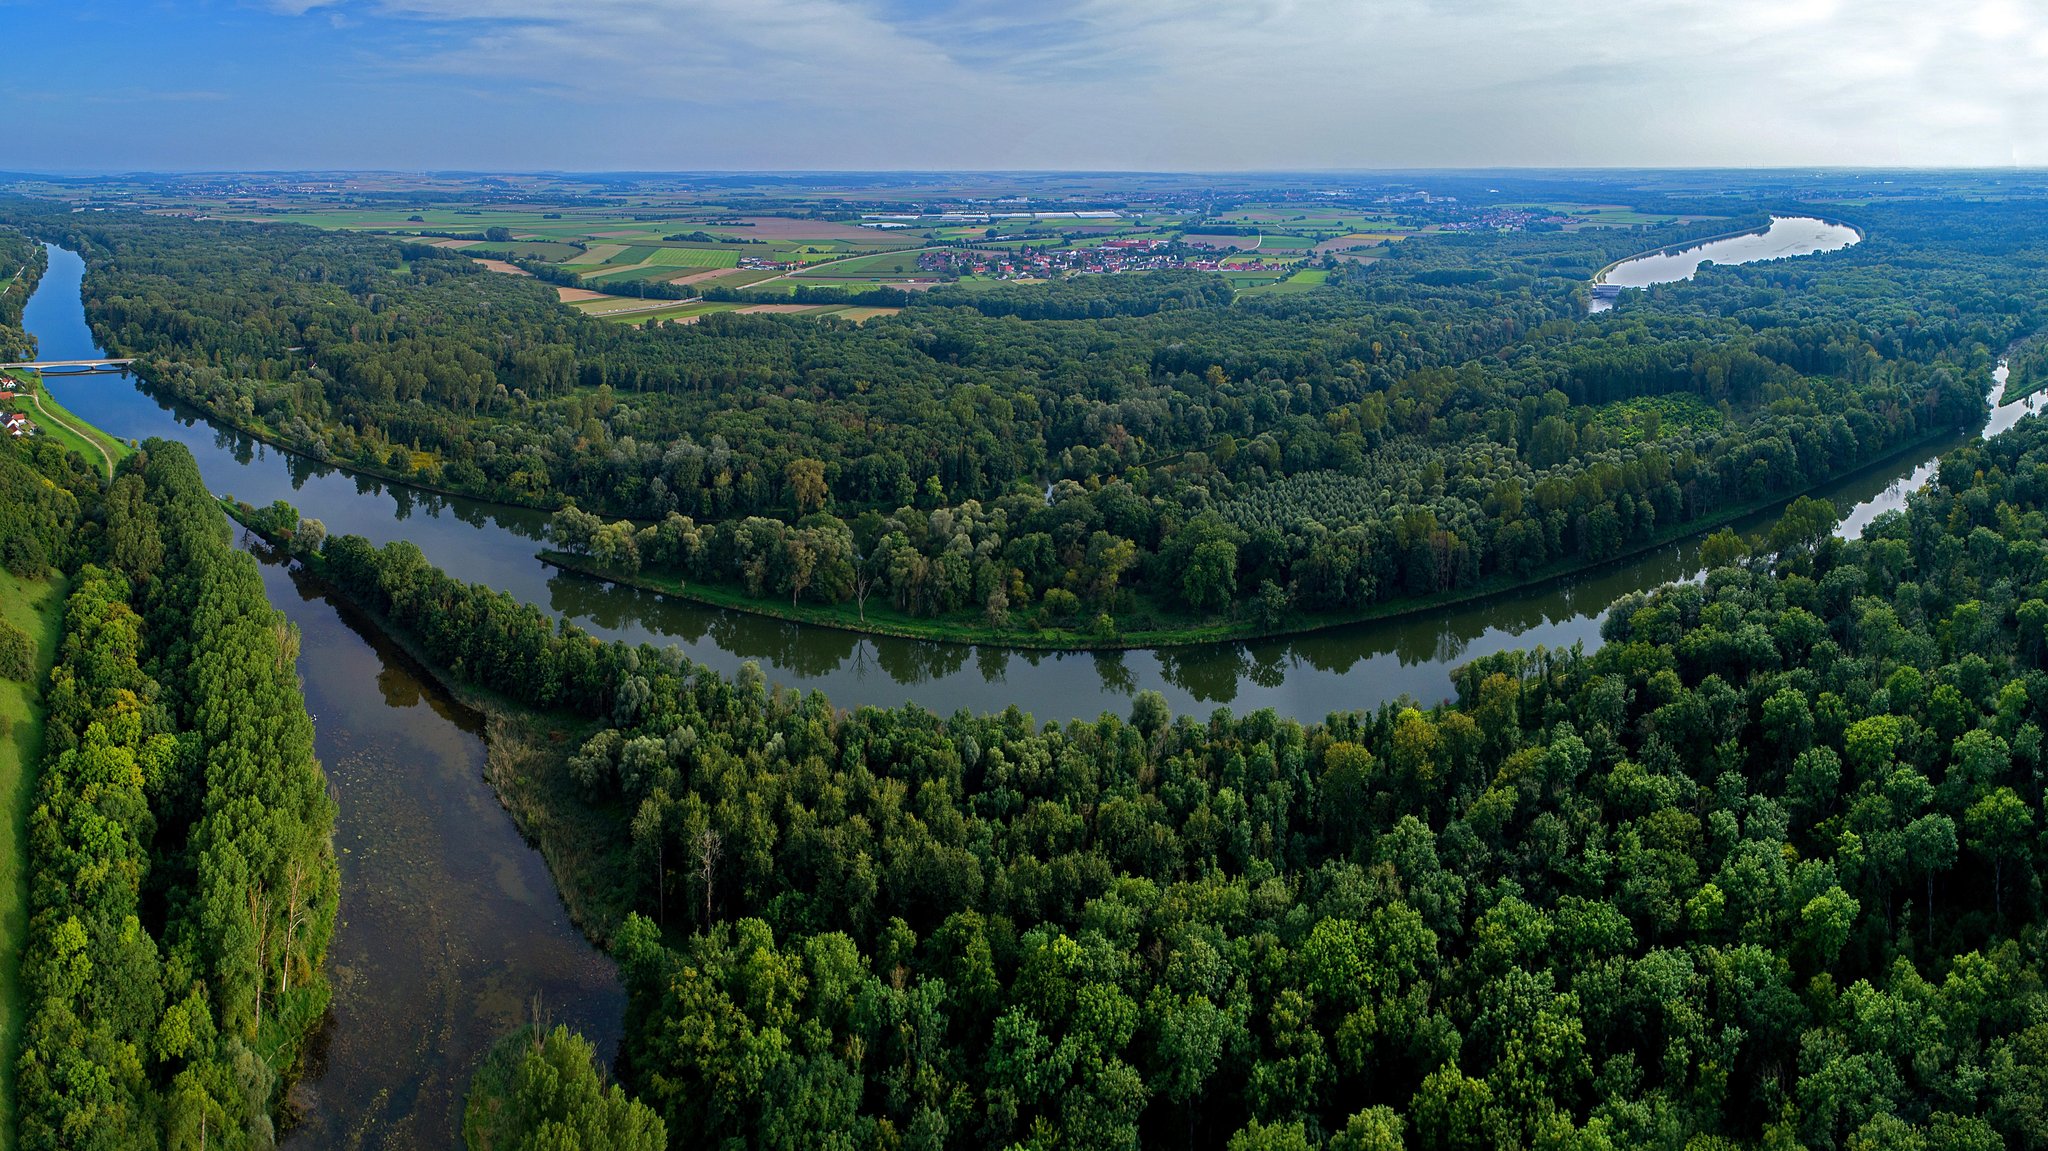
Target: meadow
695,257
35,607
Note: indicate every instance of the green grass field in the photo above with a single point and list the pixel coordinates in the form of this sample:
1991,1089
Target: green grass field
744,279
856,314
36,607
96,446
878,265
1305,280
695,257
628,273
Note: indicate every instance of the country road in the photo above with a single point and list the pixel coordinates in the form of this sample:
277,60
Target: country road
82,433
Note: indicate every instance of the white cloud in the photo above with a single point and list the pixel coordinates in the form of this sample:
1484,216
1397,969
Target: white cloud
1196,84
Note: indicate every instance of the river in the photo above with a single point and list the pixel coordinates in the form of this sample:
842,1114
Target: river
450,923
1786,236
1306,677
451,929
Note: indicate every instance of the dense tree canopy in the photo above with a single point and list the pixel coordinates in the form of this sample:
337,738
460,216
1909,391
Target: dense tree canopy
1044,456
1764,870
542,1091
21,266
182,883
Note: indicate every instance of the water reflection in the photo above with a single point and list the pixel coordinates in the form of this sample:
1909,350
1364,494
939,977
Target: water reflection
1786,236
450,928
1307,676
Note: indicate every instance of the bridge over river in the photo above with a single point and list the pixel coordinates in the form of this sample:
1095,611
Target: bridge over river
77,365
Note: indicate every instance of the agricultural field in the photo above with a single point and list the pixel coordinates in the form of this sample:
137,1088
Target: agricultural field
695,257
878,267
1307,279
682,236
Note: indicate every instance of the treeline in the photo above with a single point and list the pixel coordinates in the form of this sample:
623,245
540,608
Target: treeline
1550,484
1442,418
1764,870
182,879
1092,297
22,261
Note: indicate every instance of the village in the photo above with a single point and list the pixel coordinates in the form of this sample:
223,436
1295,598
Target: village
15,390
1142,254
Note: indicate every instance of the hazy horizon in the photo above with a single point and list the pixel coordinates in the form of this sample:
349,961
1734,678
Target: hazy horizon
615,86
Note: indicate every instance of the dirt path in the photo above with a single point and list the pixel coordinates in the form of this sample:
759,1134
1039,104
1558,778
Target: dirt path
37,399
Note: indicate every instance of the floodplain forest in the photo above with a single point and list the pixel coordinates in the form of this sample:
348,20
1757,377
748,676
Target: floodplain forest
1762,870
181,879
1095,462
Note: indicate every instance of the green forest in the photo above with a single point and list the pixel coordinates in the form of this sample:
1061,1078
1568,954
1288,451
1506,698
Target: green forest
1104,458
21,265
181,881
1764,870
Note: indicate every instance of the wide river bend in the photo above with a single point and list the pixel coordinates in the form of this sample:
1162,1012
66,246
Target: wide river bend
451,928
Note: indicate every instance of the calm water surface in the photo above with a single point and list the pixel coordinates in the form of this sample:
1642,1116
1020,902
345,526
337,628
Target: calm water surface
450,928
451,931
1786,236
1305,677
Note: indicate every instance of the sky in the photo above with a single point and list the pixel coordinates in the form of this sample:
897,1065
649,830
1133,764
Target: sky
872,85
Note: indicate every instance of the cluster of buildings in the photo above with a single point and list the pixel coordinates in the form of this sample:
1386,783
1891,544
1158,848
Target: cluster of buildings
1142,254
13,422
1501,220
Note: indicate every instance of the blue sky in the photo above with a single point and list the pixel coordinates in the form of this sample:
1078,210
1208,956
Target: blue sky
1097,84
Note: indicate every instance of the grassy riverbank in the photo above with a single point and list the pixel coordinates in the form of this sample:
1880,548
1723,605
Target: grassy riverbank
883,619
37,608
65,428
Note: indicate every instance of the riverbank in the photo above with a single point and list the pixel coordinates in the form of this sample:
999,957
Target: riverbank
263,433
37,608
886,621
526,763
65,427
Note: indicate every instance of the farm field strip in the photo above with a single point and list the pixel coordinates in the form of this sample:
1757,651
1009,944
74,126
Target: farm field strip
597,254
694,258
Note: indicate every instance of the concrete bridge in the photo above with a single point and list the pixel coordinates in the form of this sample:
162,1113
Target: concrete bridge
77,365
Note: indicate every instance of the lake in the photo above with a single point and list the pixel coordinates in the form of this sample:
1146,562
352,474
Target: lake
1786,236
